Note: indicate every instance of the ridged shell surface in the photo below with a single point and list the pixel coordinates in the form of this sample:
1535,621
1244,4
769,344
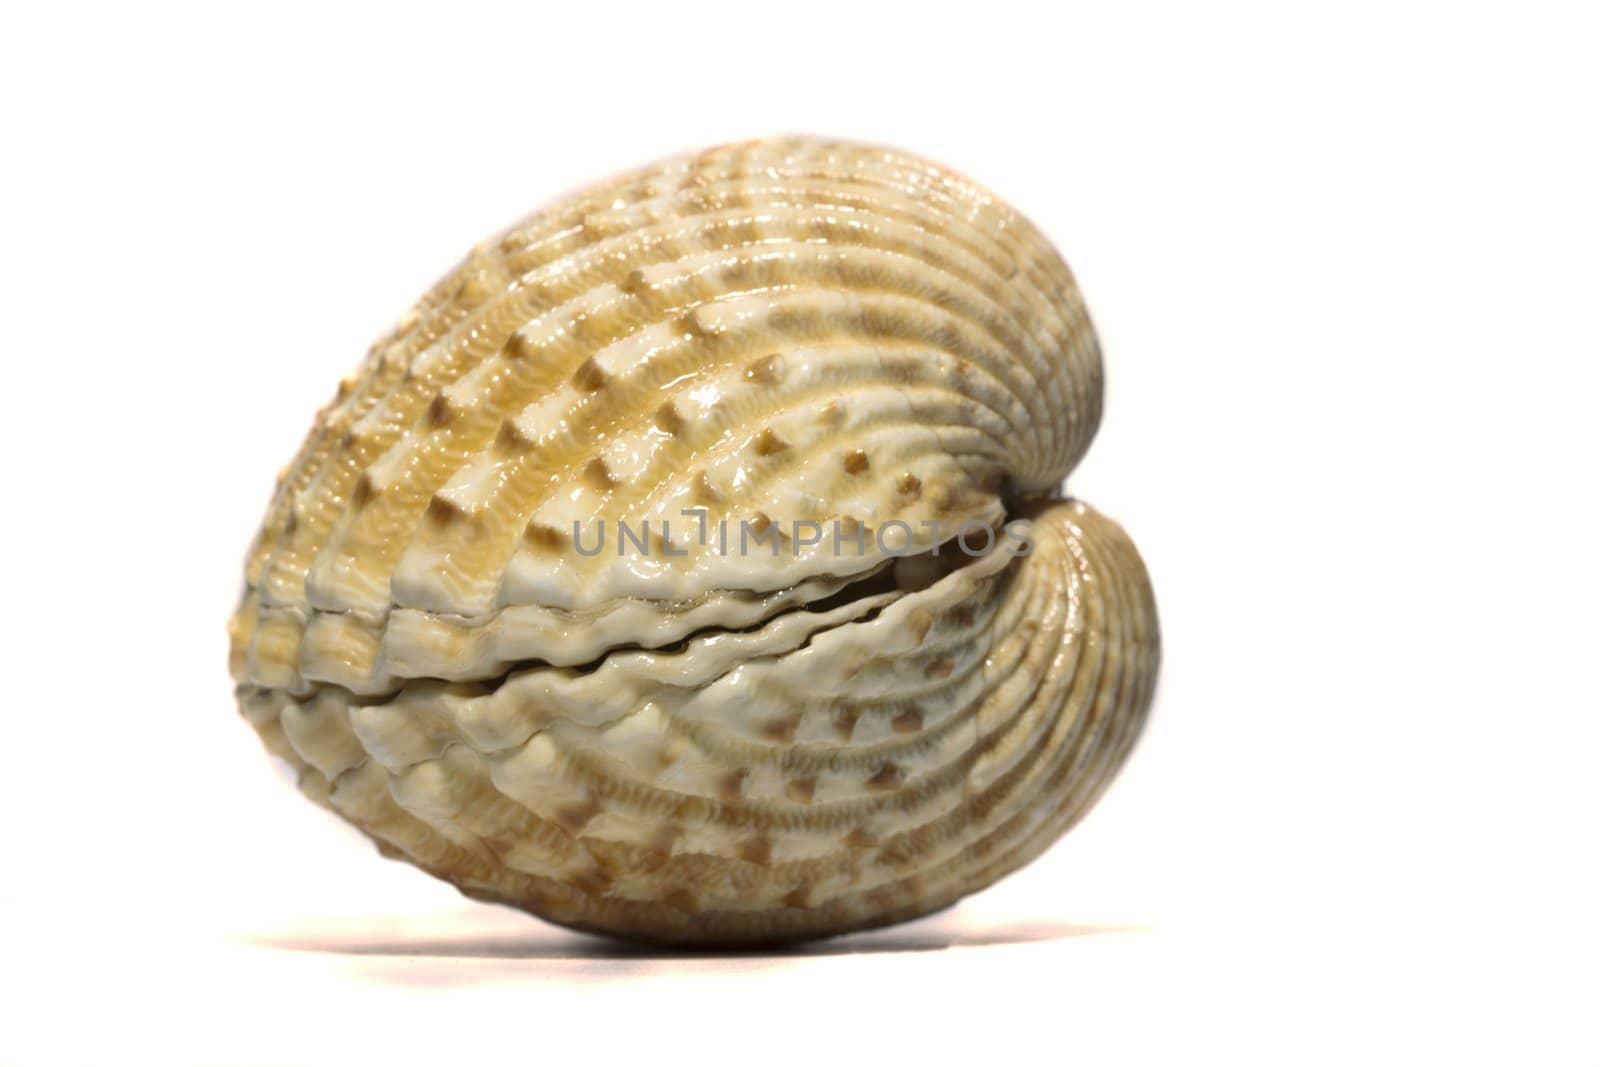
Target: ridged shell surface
635,578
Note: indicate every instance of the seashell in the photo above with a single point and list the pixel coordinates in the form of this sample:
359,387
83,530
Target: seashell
844,655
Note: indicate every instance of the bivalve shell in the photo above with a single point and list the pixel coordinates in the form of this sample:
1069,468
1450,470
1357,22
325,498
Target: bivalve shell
690,563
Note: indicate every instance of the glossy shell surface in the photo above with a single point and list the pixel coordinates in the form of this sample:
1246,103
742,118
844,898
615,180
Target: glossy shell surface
622,582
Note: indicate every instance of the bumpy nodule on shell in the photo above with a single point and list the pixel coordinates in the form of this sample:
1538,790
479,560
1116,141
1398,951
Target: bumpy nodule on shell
689,735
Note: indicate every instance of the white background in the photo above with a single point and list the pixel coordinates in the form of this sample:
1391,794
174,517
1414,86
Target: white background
1345,268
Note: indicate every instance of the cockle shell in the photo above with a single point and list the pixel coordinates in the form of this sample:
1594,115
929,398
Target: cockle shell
679,741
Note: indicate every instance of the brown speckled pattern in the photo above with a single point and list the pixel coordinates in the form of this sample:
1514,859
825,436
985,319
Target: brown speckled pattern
710,747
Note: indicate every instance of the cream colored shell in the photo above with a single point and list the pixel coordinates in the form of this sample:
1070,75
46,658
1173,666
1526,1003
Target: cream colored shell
711,745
